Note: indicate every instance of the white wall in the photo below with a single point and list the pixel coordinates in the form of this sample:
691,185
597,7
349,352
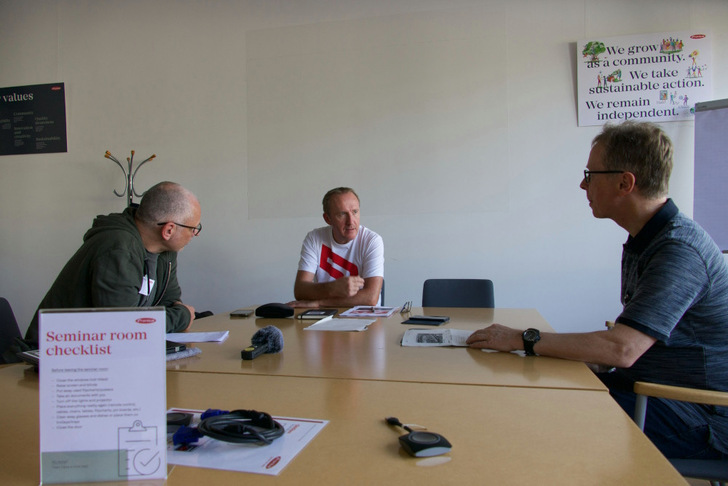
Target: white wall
454,120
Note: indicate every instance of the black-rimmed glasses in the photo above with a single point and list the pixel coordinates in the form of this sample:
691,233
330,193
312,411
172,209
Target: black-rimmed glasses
195,229
588,173
407,307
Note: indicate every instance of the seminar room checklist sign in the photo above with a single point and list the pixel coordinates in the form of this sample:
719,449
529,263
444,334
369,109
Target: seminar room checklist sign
102,395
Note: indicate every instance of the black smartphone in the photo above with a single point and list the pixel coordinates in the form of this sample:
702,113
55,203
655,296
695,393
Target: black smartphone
173,347
427,320
241,313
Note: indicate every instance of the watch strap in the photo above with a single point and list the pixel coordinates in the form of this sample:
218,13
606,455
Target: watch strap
529,343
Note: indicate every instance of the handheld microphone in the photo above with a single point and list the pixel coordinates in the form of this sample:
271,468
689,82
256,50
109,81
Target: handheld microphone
266,340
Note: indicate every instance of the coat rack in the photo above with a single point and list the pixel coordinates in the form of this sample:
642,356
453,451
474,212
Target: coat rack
129,189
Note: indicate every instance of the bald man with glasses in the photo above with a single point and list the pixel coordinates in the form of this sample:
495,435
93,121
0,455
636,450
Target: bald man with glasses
129,259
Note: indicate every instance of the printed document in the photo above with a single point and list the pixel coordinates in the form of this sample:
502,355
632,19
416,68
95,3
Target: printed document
435,337
251,458
368,311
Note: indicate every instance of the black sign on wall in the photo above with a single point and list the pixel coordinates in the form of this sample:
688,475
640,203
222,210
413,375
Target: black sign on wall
33,119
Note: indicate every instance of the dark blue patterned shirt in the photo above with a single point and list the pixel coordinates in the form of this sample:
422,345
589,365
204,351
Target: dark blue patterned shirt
675,289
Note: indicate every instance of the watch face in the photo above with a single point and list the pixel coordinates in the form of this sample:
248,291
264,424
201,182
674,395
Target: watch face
530,334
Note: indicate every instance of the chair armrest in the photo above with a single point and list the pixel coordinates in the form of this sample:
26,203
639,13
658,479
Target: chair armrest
693,395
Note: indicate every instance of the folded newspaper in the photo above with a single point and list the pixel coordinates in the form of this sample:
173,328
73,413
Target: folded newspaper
435,337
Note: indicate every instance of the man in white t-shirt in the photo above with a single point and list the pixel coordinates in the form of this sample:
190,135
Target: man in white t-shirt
342,264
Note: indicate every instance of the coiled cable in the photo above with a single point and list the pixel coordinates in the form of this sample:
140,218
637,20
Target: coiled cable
241,426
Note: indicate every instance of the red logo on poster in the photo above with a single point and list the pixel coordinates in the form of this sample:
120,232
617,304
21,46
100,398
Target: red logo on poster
273,462
146,320
697,36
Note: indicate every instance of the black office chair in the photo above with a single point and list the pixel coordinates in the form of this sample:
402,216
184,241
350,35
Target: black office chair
9,331
713,470
458,292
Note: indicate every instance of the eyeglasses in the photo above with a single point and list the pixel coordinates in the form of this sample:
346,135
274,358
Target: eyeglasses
195,229
407,307
588,173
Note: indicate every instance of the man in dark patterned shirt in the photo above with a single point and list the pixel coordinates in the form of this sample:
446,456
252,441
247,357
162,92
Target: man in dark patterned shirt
673,328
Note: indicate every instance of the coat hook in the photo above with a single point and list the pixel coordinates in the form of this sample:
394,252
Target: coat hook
129,190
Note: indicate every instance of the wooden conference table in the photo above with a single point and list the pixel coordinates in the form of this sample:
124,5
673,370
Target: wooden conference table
500,435
376,354
510,419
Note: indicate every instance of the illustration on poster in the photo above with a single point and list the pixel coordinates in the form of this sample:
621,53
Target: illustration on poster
656,77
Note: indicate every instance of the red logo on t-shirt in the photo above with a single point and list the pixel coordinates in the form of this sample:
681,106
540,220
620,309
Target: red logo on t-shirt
329,259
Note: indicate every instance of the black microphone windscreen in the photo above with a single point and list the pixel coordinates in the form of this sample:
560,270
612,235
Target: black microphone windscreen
270,336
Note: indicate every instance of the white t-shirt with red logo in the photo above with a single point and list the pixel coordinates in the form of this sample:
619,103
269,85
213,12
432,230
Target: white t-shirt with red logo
328,260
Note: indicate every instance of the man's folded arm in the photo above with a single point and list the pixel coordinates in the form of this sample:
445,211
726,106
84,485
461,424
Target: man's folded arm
338,293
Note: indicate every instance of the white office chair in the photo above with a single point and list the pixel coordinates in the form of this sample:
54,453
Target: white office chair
713,470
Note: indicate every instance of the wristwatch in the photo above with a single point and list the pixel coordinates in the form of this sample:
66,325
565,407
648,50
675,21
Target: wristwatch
530,337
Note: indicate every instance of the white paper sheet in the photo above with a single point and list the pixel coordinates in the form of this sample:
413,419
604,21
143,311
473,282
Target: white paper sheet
198,337
338,324
251,458
435,337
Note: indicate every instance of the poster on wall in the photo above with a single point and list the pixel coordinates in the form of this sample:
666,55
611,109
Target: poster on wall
646,77
33,119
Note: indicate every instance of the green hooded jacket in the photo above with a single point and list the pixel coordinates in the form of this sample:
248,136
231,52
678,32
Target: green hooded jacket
107,271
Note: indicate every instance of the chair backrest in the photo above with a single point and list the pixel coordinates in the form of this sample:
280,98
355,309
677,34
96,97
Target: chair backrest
458,292
8,331
713,470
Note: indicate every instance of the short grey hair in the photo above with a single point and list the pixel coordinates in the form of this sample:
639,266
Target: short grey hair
641,148
336,192
166,201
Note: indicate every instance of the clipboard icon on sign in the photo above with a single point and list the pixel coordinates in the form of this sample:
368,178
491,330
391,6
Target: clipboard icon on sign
139,450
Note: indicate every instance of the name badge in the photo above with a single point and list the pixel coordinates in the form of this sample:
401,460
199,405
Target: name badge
147,285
